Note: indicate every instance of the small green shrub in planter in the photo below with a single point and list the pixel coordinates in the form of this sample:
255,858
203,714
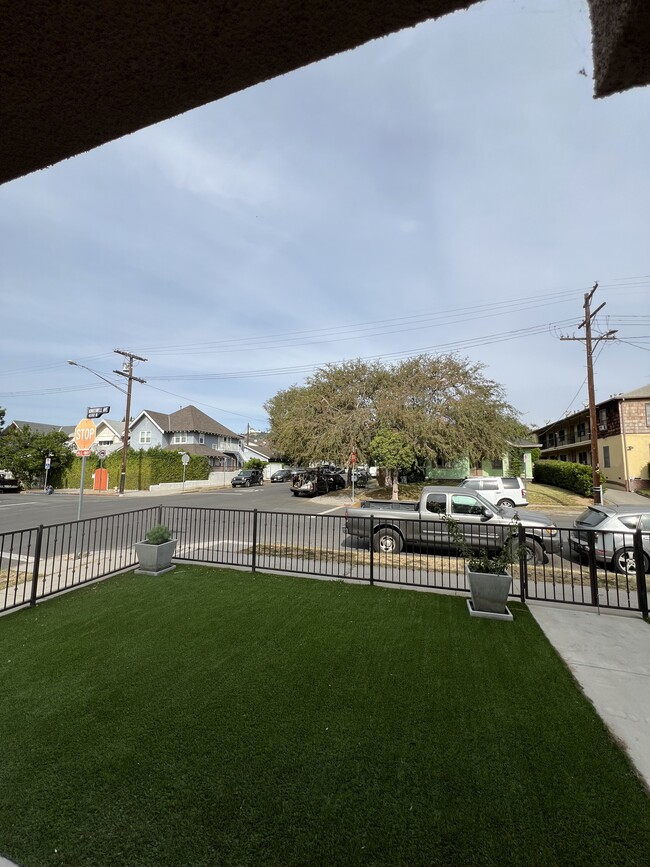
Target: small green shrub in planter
158,534
156,552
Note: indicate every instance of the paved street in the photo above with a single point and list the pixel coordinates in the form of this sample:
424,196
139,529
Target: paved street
29,509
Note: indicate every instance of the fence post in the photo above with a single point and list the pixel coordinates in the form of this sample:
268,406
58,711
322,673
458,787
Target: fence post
641,586
523,564
371,520
593,575
254,563
37,561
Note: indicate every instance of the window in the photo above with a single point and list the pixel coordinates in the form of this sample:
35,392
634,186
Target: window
490,485
497,465
474,484
464,505
145,437
179,438
437,503
630,521
582,457
606,457
561,436
602,415
201,438
104,442
647,414
581,429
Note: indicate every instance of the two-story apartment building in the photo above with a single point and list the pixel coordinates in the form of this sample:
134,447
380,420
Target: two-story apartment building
188,430
623,437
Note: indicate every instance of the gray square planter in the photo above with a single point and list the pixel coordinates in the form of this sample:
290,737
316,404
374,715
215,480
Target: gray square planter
489,592
155,559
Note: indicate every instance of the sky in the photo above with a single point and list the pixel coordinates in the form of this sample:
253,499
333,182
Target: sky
453,187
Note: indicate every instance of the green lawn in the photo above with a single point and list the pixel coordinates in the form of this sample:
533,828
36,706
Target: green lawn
214,717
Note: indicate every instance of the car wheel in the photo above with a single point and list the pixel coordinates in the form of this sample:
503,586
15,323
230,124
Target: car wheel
388,542
295,493
625,562
247,484
508,503
534,552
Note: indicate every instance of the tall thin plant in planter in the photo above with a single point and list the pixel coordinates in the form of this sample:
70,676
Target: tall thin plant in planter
156,551
488,572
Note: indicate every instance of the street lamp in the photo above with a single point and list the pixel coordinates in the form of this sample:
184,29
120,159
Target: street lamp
94,372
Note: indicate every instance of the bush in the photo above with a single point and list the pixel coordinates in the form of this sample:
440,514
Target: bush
567,475
158,535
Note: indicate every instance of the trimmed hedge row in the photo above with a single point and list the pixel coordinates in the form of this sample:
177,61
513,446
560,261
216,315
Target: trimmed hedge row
567,475
143,468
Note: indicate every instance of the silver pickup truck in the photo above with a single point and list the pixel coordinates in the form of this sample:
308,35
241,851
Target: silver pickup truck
390,525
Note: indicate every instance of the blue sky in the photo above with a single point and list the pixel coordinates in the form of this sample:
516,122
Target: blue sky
453,187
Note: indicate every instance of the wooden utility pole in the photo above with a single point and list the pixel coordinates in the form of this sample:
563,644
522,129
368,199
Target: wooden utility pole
593,420
127,372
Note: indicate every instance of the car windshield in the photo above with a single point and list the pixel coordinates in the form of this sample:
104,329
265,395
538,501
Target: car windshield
592,517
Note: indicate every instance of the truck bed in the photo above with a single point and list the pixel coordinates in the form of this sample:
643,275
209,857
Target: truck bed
390,505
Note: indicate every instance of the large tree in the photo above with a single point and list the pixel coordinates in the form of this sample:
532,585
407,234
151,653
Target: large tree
23,453
441,408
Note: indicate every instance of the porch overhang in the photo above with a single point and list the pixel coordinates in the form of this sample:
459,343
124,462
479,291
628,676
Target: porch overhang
74,76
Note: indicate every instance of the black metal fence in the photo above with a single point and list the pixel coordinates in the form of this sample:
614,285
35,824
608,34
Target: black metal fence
38,562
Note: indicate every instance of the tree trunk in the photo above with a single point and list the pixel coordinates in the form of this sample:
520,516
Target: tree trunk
395,480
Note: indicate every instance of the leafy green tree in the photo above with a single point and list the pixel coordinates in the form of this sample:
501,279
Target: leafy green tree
2,417
390,450
442,407
255,464
23,453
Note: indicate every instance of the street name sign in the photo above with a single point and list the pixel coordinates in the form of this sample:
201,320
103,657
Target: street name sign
97,411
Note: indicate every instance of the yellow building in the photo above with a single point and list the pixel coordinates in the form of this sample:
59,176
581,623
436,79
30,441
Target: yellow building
623,437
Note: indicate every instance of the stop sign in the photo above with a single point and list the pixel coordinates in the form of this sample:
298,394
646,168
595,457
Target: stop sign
84,434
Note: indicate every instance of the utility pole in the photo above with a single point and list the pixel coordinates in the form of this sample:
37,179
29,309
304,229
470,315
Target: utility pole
127,372
593,421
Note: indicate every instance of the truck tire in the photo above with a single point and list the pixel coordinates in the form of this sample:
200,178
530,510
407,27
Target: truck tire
387,541
534,552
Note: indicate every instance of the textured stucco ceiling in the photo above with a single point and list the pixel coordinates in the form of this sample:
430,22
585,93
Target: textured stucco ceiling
74,75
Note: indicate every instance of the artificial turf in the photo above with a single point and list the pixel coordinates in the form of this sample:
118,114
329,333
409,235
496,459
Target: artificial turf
210,717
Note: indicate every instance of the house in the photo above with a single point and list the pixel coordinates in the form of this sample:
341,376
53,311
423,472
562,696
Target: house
40,428
623,437
188,430
504,466
263,451
109,435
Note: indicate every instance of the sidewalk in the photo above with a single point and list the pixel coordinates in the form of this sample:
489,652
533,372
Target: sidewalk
617,497
609,656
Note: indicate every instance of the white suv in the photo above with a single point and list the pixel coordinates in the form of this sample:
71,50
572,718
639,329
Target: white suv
499,490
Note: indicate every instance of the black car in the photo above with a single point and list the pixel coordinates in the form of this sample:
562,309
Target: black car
246,478
282,476
335,481
9,486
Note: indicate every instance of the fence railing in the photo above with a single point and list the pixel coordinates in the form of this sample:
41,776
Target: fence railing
41,561
571,567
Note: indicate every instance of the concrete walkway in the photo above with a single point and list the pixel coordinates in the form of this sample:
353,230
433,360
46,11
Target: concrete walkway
616,497
609,656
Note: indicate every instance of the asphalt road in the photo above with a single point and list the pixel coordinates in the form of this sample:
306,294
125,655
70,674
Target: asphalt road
31,508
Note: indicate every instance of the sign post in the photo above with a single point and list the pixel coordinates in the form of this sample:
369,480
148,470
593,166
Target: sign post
48,463
84,437
185,458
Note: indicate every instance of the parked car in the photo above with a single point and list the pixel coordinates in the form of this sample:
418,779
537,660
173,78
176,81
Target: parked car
309,483
397,523
9,485
614,541
335,480
499,490
282,476
246,478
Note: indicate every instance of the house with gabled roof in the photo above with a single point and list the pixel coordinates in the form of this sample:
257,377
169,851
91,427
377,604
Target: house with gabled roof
41,428
109,435
188,430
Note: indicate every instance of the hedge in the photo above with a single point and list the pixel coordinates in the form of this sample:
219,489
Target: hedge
567,475
143,468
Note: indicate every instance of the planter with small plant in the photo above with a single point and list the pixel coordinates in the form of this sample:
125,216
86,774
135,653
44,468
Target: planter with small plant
156,551
487,572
